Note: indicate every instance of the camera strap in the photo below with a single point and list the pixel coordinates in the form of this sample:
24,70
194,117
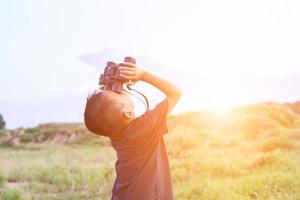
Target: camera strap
146,100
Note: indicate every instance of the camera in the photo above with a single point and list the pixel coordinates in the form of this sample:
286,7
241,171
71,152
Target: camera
110,79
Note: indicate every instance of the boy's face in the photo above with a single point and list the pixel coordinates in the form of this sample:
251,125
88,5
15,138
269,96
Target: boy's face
127,102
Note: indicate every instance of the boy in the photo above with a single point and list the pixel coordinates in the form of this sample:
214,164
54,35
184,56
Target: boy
142,167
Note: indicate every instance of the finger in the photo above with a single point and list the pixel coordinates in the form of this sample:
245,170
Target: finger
130,83
128,77
128,64
130,73
126,72
127,68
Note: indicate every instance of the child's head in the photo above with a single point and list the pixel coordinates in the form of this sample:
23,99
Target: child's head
107,113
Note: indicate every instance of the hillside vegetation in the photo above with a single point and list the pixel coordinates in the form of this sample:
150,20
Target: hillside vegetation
249,152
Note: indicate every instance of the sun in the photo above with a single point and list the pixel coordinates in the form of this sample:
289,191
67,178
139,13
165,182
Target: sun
219,94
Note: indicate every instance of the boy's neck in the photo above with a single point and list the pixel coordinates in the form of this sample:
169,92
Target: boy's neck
123,125
127,122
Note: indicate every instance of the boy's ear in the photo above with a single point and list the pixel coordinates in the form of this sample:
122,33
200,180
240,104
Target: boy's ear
128,114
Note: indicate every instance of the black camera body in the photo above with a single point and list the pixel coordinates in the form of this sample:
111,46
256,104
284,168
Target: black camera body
110,79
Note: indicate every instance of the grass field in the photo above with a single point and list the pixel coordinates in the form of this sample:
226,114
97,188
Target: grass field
251,152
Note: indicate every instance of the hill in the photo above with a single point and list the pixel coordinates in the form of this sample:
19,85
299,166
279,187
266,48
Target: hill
51,133
295,107
253,121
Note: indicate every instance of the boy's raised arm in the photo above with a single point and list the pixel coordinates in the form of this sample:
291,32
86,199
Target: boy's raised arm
170,90
131,72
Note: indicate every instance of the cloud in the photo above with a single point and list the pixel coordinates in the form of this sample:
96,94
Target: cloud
101,57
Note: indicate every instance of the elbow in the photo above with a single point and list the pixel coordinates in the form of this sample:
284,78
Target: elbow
178,93
174,94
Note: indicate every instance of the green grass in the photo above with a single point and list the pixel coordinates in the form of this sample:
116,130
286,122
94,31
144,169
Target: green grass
10,194
253,152
2,179
62,171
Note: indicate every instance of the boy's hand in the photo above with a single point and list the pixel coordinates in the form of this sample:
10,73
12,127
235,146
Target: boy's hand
131,72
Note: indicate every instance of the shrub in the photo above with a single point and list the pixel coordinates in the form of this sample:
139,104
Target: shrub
2,179
276,143
10,194
2,122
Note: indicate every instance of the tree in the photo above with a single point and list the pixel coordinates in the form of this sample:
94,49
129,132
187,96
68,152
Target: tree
2,122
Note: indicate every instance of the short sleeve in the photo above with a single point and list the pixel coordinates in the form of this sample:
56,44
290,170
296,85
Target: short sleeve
158,117
144,133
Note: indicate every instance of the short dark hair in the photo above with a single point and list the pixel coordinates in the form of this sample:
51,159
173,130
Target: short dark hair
101,113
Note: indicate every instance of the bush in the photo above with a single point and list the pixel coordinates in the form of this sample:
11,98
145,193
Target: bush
10,194
2,179
2,122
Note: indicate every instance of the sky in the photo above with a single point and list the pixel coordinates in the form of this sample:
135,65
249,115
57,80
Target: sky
220,53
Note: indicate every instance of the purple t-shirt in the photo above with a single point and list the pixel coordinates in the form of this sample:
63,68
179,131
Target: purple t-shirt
142,167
